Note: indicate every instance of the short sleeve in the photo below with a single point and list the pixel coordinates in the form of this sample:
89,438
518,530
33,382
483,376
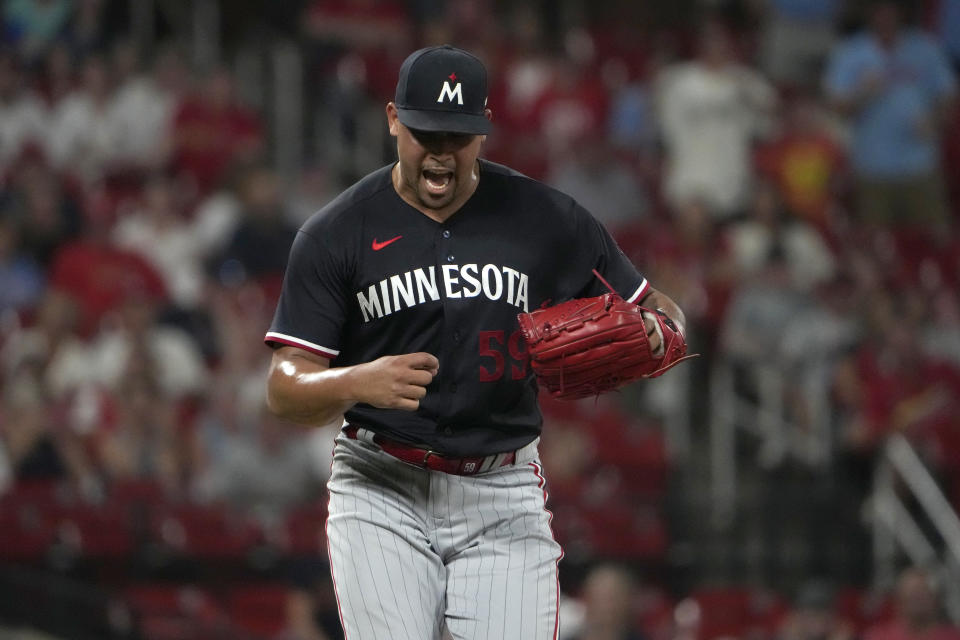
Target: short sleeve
610,262
312,307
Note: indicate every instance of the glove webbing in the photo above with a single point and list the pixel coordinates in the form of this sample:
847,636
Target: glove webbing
666,349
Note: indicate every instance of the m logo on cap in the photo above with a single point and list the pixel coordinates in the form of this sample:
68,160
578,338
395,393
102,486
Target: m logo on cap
455,92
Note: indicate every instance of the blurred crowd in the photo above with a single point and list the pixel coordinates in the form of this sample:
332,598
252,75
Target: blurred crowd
785,169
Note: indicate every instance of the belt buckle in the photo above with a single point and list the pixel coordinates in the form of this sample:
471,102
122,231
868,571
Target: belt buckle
426,456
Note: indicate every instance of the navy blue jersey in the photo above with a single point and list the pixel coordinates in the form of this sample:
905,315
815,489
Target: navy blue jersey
369,275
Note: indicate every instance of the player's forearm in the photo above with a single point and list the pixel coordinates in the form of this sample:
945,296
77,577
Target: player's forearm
300,391
658,300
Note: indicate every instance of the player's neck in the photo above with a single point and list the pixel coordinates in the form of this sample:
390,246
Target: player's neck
437,215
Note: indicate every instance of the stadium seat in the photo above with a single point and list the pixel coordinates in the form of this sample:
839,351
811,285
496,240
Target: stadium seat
23,536
738,612
259,609
611,531
171,600
864,609
304,531
204,531
97,531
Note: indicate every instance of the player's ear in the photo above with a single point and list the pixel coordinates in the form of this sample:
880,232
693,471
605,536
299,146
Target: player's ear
489,116
393,119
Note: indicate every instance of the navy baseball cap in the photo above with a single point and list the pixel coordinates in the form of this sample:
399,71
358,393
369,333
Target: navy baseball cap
443,89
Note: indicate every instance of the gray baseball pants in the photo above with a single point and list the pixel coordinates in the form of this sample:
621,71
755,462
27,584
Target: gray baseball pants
414,551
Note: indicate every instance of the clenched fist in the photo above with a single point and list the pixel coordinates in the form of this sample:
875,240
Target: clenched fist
397,382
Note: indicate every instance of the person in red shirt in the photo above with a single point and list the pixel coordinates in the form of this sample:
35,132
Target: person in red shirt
804,162
100,276
211,131
918,614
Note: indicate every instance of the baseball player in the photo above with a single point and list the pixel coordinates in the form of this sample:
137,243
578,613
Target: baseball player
399,311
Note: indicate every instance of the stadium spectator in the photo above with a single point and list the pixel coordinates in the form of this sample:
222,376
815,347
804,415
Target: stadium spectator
525,76
805,160
130,340
48,352
33,25
826,328
598,179
692,257
37,447
88,31
918,612
57,77
212,130
100,276
770,229
144,106
375,31
574,105
37,439
941,336
528,68
895,85
160,232
83,136
608,594
144,442
813,616
710,111
753,325
23,117
46,214
244,472
261,241
946,25
889,386
631,125
796,38
21,279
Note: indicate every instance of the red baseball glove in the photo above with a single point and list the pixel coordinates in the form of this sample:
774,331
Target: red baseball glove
587,346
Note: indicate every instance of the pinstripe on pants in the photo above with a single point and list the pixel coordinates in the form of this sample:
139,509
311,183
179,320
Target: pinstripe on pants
412,550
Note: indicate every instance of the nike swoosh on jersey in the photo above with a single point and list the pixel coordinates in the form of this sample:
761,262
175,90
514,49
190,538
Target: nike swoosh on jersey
380,245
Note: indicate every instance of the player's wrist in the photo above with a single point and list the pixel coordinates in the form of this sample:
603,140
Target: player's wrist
353,384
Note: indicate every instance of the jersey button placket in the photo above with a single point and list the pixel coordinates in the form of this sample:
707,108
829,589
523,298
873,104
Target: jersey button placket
445,254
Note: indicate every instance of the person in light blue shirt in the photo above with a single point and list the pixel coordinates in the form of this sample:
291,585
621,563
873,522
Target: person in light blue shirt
895,84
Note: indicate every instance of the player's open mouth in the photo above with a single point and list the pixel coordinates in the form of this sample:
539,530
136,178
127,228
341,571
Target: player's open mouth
437,181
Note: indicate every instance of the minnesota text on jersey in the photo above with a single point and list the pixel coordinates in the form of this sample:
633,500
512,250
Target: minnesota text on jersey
420,285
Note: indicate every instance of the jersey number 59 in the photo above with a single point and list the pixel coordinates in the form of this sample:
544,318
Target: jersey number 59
491,345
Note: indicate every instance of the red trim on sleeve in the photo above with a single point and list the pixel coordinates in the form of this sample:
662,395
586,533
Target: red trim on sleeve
272,339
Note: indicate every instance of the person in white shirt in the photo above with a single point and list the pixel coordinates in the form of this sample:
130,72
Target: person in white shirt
83,135
143,106
160,233
23,117
710,110
806,256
